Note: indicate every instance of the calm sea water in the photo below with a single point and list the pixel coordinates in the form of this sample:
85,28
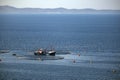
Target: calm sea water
91,33
96,37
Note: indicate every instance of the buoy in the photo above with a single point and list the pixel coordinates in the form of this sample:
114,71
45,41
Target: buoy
74,61
14,54
0,59
113,70
78,54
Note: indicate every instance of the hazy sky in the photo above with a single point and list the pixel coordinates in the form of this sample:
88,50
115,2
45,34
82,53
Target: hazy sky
95,4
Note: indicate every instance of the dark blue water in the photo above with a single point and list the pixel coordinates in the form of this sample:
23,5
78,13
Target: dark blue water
91,33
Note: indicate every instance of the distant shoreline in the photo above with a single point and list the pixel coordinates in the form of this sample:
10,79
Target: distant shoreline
59,14
13,10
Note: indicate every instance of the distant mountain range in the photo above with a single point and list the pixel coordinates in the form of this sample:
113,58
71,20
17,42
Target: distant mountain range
13,10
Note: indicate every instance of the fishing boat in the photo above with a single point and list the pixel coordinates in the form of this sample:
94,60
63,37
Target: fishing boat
45,52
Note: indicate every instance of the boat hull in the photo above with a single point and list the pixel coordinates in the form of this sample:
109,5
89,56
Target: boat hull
45,53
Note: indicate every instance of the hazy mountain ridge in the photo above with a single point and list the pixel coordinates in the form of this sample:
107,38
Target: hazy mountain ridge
13,10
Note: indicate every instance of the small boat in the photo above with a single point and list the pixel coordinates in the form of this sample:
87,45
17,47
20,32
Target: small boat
45,52
0,59
51,52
